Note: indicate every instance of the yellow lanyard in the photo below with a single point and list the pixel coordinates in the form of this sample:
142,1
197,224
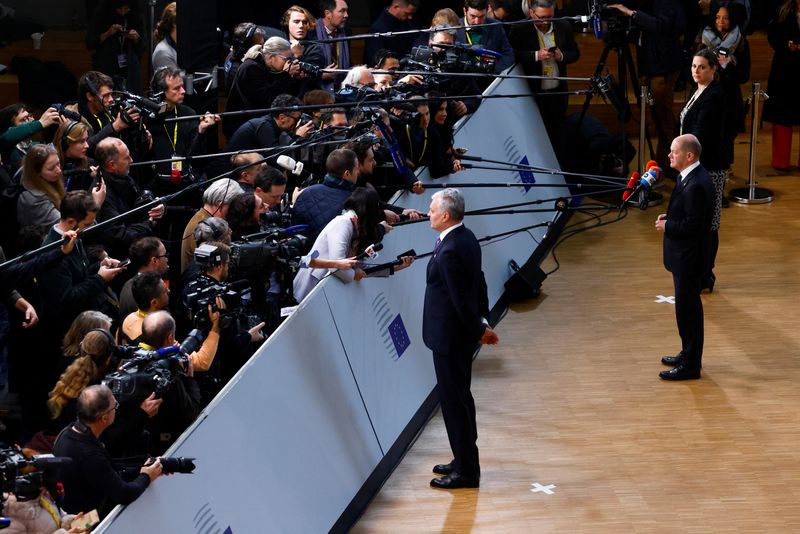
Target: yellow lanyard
469,39
547,68
174,139
99,122
411,145
47,506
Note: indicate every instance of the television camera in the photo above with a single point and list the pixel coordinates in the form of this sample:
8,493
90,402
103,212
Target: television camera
143,371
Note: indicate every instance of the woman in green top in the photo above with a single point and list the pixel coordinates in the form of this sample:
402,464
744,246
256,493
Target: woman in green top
17,127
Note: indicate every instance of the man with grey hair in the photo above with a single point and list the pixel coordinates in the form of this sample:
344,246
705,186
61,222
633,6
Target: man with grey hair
267,71
215,204
359,76
90,480
687,252
453,324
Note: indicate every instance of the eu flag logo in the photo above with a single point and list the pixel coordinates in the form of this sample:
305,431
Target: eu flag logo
399,335
527,177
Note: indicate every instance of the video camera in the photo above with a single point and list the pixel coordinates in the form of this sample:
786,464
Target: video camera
617,24
27,486
203,294
125,103
151,371
456,58
264,252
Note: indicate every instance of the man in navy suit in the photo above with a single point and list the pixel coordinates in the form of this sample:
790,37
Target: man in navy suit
453,325
687,247
489,34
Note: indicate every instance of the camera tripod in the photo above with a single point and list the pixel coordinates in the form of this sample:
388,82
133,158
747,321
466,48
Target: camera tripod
617,93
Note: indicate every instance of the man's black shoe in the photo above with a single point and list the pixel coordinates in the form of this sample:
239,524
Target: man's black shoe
680,372
673,361
444,469
455,481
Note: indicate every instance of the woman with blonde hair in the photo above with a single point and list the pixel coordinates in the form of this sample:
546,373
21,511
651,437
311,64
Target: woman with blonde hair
38,205
72,145
88,368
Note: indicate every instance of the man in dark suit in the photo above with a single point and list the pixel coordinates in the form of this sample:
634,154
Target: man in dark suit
397,18
488,34
687,246
452,327
545,48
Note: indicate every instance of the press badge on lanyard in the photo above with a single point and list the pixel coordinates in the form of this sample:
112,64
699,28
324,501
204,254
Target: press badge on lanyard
177,164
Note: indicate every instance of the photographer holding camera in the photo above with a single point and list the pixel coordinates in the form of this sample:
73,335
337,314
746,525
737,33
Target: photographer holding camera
95,99
266,72
236,340
90,481
176,139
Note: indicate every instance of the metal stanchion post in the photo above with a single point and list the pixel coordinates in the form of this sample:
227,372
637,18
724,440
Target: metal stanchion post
753,194
642,128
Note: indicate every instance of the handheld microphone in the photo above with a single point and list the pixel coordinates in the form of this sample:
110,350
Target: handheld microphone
294,167
646,182
370,252
390,265
629,188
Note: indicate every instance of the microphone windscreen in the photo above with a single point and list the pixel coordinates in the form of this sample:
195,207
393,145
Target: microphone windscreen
650,164
631,184
175,177
285,162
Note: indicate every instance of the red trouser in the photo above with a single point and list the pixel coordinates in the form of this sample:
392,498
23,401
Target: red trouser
782,146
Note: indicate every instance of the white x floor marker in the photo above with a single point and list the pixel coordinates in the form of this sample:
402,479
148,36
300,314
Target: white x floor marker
662,299
546,489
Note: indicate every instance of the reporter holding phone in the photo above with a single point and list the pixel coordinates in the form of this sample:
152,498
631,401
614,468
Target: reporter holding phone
545,48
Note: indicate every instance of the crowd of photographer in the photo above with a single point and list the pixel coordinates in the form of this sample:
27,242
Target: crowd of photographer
185,255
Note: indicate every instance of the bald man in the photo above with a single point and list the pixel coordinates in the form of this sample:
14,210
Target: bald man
687,252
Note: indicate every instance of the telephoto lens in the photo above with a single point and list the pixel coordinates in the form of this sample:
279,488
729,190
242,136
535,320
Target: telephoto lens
179,464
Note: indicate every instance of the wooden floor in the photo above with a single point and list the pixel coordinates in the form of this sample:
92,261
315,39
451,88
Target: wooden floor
571,397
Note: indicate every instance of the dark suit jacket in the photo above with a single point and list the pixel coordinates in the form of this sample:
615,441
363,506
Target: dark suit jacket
687,236
494,38
525,42
706,120
455,296
399,44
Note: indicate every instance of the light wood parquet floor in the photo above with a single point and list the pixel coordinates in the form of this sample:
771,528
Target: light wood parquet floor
571,397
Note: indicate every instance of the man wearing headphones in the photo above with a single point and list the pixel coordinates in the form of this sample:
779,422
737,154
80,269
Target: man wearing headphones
175,139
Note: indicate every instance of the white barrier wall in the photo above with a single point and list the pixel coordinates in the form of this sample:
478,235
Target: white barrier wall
299,431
